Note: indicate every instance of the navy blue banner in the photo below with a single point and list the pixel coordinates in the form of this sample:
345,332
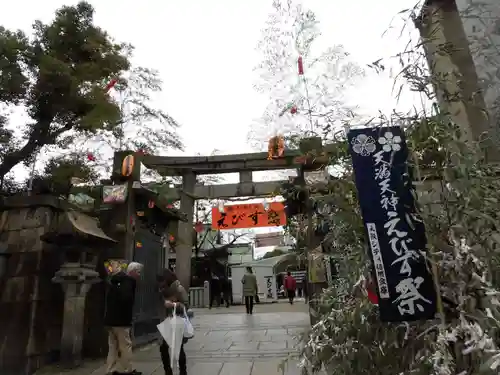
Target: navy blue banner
396,234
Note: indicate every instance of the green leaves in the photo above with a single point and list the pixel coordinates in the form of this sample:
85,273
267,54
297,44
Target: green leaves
14,48
67,61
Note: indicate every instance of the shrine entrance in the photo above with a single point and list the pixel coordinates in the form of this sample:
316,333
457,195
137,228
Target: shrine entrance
311,156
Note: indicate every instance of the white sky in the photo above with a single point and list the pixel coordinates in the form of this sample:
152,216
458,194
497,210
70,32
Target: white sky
205,52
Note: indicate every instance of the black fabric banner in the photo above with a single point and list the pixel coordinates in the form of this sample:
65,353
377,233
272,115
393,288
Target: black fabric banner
396,234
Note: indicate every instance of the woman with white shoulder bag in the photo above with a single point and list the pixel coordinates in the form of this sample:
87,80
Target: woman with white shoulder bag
175,300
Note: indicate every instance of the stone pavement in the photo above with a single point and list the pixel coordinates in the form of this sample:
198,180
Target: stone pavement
229,342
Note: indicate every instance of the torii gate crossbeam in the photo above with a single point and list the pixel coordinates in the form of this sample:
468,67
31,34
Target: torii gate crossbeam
189,167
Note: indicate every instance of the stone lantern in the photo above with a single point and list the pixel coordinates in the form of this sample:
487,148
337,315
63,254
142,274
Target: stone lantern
80,240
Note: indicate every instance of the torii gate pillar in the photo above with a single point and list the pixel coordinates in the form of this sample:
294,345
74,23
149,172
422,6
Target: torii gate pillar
184,248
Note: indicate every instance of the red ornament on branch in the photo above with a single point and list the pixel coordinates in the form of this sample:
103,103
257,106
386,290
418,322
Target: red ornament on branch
300,65
370,290
110,85
293,110
90,156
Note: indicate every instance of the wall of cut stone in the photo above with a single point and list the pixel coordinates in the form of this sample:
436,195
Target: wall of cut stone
31,305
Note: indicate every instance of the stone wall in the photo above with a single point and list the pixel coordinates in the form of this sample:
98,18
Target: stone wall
30,304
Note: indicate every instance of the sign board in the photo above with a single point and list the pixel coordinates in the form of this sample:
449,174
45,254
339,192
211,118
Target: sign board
251,215
114,194
395,232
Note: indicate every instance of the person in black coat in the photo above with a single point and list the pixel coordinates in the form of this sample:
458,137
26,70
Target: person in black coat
226,290
120,298
215,291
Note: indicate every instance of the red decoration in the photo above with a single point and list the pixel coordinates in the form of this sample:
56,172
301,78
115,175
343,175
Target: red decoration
151,203
370,289
300,64
198,227
110,85
293,110
169,206
171,238
90,157
372,297
141,151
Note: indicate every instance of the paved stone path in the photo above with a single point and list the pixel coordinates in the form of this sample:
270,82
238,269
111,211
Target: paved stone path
229,342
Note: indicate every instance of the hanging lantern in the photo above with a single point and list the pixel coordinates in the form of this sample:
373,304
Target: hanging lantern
171,239
276,148
300,65
128,165
138,245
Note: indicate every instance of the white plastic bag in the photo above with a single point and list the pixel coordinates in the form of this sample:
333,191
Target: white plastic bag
188,327
172,330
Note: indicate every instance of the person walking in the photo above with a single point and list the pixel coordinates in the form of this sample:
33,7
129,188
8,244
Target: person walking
120,298
215,291
173,292
250,289
226,290
290,286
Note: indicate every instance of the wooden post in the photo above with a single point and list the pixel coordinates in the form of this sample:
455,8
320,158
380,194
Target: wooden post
184,249
125,213
129,240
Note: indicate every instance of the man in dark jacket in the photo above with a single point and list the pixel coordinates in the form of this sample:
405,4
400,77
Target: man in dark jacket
215,291
120,298
226,290
172,292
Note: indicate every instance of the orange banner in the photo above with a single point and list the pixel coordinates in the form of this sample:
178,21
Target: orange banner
252,215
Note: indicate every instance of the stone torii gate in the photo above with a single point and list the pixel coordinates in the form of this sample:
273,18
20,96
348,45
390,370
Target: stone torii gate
188,167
